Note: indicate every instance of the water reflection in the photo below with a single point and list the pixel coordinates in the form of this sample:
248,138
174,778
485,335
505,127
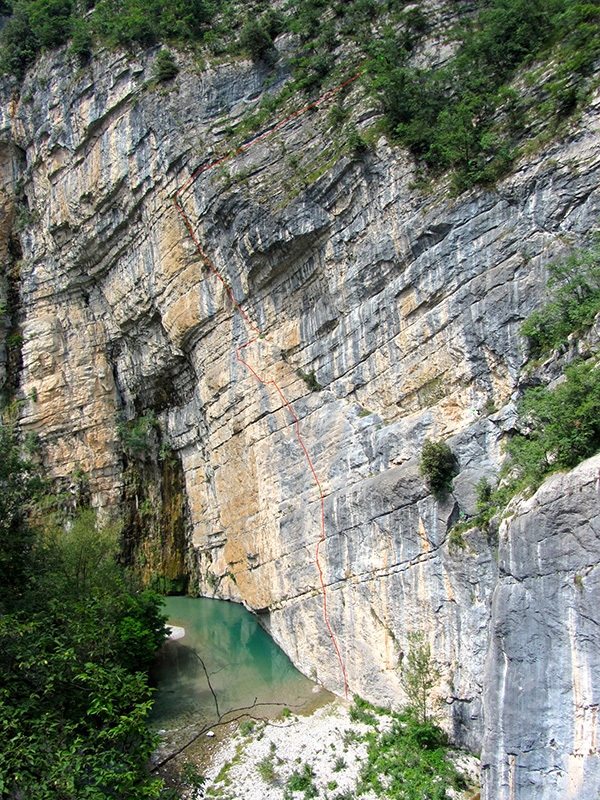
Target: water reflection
244,666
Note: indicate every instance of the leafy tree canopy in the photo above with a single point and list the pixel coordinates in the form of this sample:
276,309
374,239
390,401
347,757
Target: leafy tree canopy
76,639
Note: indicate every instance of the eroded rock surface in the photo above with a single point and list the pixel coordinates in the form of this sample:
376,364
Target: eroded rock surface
543,673
406,307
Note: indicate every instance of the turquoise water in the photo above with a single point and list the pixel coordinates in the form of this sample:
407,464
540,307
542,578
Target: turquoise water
244,665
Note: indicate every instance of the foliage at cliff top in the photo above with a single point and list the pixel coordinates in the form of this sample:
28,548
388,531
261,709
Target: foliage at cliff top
76,638
465,115
462,115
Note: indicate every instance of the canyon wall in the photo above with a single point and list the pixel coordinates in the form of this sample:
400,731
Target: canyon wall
405,303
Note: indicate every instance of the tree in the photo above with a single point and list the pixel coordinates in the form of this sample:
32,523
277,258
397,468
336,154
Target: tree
76,640
18,485
255,40
419,676
165,67
438,466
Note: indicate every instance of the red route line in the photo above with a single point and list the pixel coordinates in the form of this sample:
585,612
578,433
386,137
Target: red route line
259,335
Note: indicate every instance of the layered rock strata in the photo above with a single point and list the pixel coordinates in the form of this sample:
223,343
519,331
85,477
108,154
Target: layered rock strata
405,305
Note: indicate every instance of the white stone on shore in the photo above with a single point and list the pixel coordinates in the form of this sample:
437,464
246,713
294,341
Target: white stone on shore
176,633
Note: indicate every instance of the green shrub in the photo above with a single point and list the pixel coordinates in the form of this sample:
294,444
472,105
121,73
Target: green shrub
255,40
408,760
575,285
81,40
136,434
191,776
310,380
32,26
560,427
20,45
247,727
50,21
356,143
273,21
266,770
165,67
438,466
339,764
361,711
563,425
456,539
302,781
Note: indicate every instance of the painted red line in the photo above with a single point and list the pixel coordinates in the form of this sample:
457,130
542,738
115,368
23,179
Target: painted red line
209,264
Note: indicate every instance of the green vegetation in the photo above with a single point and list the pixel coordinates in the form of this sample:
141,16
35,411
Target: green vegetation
191,777
361,711
76,639
310,380
456,540
256,40
165,68
407,762
137,434
489,502
247,727
301,781
419,675
266,769
560,427
438,466
463,116
575,284
38,24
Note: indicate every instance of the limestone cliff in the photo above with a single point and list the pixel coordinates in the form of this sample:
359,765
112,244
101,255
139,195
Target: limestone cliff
405,305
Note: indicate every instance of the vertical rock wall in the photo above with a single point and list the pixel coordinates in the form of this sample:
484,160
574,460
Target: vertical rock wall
405,306
542,675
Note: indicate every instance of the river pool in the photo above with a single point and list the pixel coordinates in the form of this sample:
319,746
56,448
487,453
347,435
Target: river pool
225,662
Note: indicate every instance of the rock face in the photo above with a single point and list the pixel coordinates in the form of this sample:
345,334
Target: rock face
405,306
543,661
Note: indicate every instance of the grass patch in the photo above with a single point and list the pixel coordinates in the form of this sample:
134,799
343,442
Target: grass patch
301,780
266,770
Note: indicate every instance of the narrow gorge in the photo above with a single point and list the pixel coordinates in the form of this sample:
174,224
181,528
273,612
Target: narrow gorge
390,313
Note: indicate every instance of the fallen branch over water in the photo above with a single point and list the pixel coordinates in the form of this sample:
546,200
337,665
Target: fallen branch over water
222,719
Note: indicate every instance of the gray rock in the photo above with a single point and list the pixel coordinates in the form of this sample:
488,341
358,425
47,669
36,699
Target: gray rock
542,676
404,304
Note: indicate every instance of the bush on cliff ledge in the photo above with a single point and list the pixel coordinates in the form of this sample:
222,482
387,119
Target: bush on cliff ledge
438,466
